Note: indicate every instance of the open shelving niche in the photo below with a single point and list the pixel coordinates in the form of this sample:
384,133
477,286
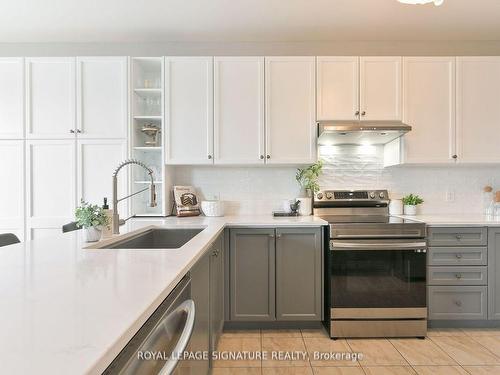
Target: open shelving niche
147,110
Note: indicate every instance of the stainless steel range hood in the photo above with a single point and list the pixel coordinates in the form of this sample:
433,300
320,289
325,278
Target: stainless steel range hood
360,133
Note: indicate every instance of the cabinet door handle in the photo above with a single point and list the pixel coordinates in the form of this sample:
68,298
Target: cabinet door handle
210,156
363,113
79,131
72,131
356,113
268,156
261,157
454,156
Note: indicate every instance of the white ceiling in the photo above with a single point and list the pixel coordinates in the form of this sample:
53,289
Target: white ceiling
245,20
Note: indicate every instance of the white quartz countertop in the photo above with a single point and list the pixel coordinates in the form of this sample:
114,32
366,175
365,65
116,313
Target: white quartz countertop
65,309
457,220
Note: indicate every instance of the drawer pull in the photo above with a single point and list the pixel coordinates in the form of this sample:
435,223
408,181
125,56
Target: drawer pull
458,276
459,256
458,237
458,303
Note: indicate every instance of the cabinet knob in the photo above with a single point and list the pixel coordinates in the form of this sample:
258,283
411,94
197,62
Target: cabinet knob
454,156
268,156
458,237
78,131
72,131
278,236
363,113
261,157
215,253
210,156
356,113
458,303
458,276
271,236
459,256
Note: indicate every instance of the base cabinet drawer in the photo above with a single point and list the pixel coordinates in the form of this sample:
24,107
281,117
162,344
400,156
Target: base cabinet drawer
457,275
458,256
457,302
458,236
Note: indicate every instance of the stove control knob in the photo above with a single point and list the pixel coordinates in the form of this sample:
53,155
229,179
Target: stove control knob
329,195
372,195
381,195
319,196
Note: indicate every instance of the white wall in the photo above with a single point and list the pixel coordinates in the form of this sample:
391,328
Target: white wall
352,48
260,190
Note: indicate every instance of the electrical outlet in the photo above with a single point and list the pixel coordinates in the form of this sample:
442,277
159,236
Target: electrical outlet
450,196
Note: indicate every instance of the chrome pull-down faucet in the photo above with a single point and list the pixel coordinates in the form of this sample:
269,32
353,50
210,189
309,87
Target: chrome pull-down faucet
151,187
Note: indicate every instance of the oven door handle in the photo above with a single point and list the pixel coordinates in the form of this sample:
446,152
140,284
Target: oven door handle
378,245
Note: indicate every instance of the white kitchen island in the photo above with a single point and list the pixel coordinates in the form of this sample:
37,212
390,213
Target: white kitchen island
65,309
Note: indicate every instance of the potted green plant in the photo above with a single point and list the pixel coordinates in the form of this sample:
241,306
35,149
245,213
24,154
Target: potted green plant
308,181
92,219
410,203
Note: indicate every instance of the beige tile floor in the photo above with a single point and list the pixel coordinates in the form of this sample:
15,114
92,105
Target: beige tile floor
444,352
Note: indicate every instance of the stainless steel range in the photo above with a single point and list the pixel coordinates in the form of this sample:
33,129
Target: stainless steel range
375,267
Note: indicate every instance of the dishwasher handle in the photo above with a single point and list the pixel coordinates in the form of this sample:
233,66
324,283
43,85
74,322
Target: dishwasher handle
188,308
336,245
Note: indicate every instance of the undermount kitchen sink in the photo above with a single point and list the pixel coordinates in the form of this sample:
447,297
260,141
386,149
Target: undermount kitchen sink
157,238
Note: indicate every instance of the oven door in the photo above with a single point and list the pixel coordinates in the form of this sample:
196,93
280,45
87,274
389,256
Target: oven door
379,276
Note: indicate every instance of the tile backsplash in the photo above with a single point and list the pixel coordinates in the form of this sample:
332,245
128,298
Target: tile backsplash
259,190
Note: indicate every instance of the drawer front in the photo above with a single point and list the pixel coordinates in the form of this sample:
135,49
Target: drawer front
457,275
458,236
457,256
457,302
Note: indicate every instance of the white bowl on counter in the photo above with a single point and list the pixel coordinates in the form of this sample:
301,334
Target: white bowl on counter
213,208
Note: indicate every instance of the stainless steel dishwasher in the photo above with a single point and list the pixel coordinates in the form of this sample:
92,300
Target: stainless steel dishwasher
157,347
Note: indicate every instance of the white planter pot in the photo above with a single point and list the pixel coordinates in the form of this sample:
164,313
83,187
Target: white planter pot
92,234
410,210
305,206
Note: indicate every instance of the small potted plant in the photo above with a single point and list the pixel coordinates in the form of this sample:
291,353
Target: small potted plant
92,218
308,181
410,203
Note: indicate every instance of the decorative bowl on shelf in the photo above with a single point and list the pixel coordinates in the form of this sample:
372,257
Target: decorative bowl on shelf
152,132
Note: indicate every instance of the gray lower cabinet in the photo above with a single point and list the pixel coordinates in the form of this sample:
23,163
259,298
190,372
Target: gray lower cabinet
458,302
200,293
494,273
252,274
216,291
298,274
275,274
458,273
451,236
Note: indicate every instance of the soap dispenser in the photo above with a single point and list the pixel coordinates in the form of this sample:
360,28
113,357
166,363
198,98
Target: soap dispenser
106,230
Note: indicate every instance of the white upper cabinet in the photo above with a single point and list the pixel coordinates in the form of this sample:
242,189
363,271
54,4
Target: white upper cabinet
97,159
51,185
189,110
337,88
11,98
102,97
12,187
290,110
239,110
50,92
429,108
478,114
380,88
